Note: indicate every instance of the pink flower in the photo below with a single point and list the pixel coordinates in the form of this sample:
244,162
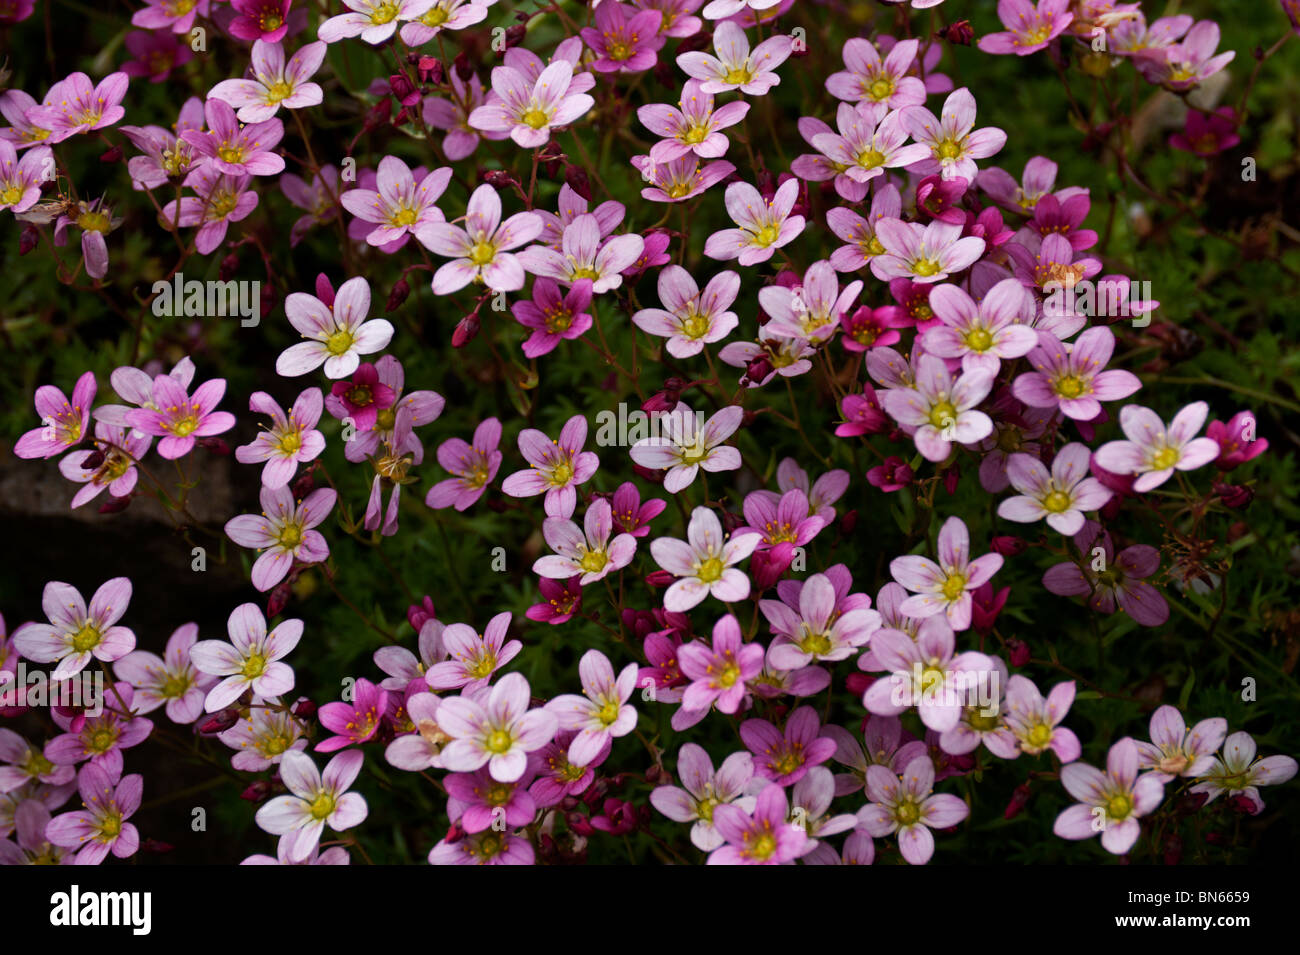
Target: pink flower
862,415
865,150
982,335
291,440
338,334
1175,751
941,408
925,673
703,790
785,756
630,515
1207,134
218,201
452,115
823,492
924,253
399,207
685,444
1237,441
764,226
481,249
20,181
250,661
74,633
475,467
909,807
718,673
421,406
571,205
1188,63
316,800
1060,496
22,132
624,39
528,109
81,106
264,20
561,600
163,15
156,55
945,587
444,15
1071,377
235,149
63,422
1034,722
474,657
372,20
362,398
587,550
354,722
954,142
691,318
1110,802
100,739
494,728
584,255
879,85
283,532
1029,28
761,837
601,714
275,83
557,467
95,220
809,310
810,627
893,474
101,827
675,180
694,128
485,848
735,67
1238,772
478,803
1115,579
172,679
780,518
180,419
21,763
1153,452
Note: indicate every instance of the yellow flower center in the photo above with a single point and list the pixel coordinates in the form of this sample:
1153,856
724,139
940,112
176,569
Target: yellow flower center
767,235
93,221
290,442
608,714
278,91
561,474
943,414
711,570
738,76
175,686
110,827
536,118
102,740
1070,386
761,846
290,536
384,13
695,325
1056,502
593,561
695,134
585,272
1040,735
11,194
925,267
482,253
818,644
254,666
1119,806
339,342
436,17
498,742
979,339
948,149
1165,458
881,89
231,153
403,217
322,806
87,638
907,813
954,586
483,667
870,158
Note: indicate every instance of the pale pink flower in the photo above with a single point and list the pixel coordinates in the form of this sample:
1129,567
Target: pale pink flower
764,226
316,800
480,250
171,680
495,728
704,563
941,408
475,657
557,467
685,444
80,107
1152,451
291,439
691,318
475,466
1176,751
1238,773
585,550
76,633
373,20
881,85
909,807
283,532
735,67
338,334
982,335
275,82
529,109
250,660
1061,495
954,142
1110,802
694,128
584,254
945,587
399,206
923,253
602,713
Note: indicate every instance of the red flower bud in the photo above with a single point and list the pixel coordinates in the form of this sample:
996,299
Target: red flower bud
1009,546
258,790
859,683
1019,797
215,445
28,239
960,33
218,722
304,709
1019,652
848,521
278,599
465,331
228,266
115,504
464,69
500,178
576,177
401,290
418,614
111,155
1234,496
659,578
430,70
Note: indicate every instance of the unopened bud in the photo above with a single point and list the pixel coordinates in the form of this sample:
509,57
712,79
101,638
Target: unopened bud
397,297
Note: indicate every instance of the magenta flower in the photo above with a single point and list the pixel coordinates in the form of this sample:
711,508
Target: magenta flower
862,415
764,226
399,206
557,467
1034,722
909,807
954,142
1238,773
786,756
678,20
924,253
337,334
475,467
630,515
63,422
528,109
291,439
624,39
868,327
166,15
585,550
694,128
234,149
421,406
316,800
602,713
879,85
1237,441
275,83
1153,452
354,722
264,20
941,408
1176,751
703,790
101,827
74,633
21,180
735,67
362,398
180,420
81,107
100,739
1108,580
1029,28
1061,495
373,20
983,335
218,201
485,848
250,661
718,674
893,474
171,680
761,837
944,587
478,803
1071,377
691,318
560,601
480,251
156,55
1208,134
283,532
475,657
1109,802
495,727
22,132
780,519
584,254
822,493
